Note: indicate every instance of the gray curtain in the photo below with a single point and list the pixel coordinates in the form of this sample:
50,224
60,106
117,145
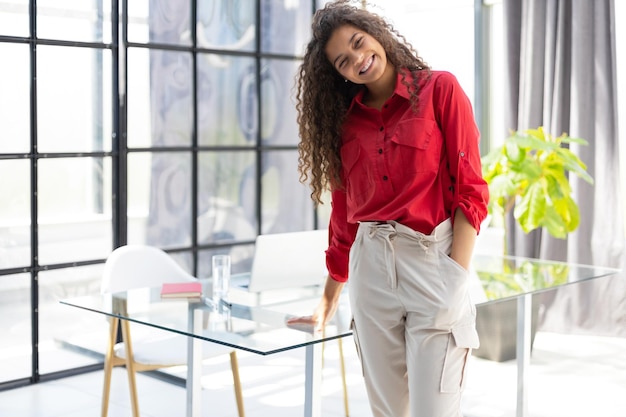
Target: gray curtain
561,74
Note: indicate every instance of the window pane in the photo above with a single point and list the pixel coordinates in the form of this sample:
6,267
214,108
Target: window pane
76,20
168,21
15,326
161,190
226,196
139,118
74,209
138,29
139,172
240,259
14,18
69,337
226,25
160,99
227,102
184,259
14,98
286,203
279,118
15,214
82,123
285,26
159,21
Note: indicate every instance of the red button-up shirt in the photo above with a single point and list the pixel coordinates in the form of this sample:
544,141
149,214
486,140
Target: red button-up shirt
414,168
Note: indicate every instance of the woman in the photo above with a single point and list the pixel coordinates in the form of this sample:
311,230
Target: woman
397,146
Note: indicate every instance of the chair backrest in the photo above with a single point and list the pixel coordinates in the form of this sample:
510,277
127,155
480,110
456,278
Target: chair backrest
135,266
289,260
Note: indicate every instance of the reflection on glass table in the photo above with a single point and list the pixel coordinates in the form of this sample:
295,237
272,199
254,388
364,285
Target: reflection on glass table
504,277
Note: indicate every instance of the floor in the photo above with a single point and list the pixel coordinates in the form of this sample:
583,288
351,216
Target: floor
569,376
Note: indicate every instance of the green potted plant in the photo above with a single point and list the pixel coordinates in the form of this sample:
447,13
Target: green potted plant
528,175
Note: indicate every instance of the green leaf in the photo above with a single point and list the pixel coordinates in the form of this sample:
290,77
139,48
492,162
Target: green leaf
513,152
568,212
531,142
569,139
571,162
530,209
557,182
531,169
554,223
502,186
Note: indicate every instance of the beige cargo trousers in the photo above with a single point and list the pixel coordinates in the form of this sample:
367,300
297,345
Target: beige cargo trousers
413,320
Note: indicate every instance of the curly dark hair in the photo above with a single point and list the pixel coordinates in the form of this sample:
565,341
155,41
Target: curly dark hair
323,96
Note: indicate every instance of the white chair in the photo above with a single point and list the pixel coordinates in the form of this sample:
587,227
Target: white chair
136,266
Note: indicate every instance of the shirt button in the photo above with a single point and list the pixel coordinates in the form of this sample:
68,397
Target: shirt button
385,178
380,151
462,154
382,128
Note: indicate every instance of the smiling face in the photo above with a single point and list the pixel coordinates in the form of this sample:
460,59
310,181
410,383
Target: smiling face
356,55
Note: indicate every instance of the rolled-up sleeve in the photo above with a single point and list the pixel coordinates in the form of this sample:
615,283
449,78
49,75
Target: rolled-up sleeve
340,238
462,137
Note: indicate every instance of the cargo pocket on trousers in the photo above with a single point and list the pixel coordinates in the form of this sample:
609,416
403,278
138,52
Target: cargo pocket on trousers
461,341
355,336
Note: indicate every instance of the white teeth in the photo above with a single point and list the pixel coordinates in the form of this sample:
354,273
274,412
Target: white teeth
367,65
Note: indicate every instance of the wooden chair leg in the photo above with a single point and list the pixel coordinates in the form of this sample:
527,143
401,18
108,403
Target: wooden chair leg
234,364
108,366
130,368
342,361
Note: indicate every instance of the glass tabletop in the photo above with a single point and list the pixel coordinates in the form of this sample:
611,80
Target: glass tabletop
263,329
259,329
505,277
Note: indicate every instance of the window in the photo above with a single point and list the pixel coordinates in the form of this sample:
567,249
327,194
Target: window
188,143
427,26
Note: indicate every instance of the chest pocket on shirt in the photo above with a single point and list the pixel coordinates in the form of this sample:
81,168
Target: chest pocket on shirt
418,145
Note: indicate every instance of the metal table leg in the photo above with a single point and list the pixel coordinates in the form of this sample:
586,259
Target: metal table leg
313,381
524,321
194,364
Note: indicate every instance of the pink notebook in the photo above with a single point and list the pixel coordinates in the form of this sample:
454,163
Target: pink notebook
181,289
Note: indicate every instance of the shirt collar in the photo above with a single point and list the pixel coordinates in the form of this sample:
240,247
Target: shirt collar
400,90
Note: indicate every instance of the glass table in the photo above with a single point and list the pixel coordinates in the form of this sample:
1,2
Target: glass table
263,330
257,329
